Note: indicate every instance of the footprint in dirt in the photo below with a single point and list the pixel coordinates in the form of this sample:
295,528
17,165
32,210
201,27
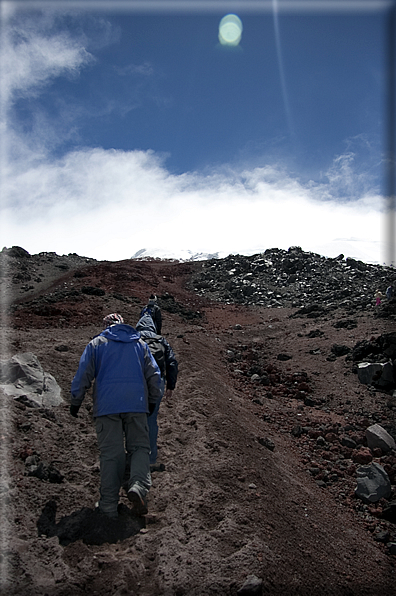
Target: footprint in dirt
89,525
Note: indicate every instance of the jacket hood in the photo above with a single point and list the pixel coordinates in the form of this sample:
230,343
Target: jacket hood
146,323
121,332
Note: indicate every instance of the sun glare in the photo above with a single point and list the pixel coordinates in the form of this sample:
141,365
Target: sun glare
230,30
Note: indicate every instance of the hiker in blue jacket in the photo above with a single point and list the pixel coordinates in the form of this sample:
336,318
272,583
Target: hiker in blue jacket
126,389
168,365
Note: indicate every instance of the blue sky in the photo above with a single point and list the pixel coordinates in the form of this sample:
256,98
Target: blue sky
125,127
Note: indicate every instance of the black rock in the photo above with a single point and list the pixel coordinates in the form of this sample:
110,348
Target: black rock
284,357
45,471
91,291
340,350
62,348
266,442
345,324
389,512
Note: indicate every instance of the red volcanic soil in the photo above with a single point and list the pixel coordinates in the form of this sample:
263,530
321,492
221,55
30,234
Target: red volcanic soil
248,490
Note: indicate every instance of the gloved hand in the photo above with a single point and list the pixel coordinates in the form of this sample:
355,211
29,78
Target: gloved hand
74,410
151,408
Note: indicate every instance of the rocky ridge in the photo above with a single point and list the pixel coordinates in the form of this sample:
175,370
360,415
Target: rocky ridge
293,278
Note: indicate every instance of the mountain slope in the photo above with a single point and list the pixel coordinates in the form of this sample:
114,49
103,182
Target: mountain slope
238,496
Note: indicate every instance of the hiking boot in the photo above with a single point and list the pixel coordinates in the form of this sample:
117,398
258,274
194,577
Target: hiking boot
157,467
112,515
139,504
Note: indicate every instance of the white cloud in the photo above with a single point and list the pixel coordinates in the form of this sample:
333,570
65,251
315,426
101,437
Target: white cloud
109,204
146,69
30,59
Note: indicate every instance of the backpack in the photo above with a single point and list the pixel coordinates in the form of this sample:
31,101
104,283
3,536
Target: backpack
149,310
157,350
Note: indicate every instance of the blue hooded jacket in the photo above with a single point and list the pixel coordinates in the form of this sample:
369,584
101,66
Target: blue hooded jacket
126,375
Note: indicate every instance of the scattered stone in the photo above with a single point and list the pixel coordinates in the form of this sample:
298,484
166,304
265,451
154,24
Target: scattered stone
258,401
346,324
340,350
391,401
92,291
389,512
377,436
297,431
373,483
266,442
348,442
308,401
392,548
362,456
284,357
168,303
382,536
314,471
42,470
315,333
62,348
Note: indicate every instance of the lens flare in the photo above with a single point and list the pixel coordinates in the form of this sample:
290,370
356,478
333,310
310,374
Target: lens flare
230,30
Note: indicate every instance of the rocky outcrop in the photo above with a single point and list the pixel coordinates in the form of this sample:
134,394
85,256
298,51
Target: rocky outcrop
375,361
22,377
379,374
23,274
382,348
294,278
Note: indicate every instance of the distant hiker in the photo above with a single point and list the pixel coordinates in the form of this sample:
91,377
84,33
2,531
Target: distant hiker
389,292
168,365
154,311
127,386
378,297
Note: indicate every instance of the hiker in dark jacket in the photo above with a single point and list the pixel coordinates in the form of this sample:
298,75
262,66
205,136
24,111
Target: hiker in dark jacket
127,387
154,311
166,360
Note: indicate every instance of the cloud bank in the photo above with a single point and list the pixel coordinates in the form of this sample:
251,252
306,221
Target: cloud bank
108,204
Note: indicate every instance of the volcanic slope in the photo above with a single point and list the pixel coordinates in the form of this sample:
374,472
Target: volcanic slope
248,489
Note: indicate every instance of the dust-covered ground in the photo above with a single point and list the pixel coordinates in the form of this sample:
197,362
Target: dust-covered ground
247,490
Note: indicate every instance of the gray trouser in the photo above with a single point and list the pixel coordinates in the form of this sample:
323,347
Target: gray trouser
111,430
